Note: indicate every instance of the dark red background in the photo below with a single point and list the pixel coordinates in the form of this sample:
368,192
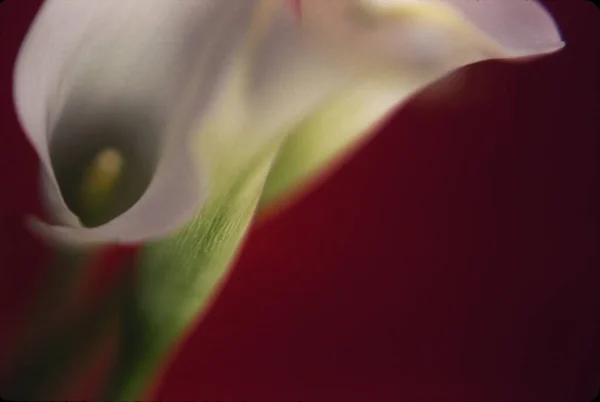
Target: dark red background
454,258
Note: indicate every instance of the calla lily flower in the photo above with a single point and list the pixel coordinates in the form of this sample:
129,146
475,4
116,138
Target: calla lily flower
154,103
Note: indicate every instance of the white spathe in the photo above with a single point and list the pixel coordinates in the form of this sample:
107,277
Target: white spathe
434,34
245,70
409,44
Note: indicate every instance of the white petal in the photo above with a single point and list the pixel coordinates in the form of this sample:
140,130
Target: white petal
434,34
292,74
409,44
159,61
525,27
287,75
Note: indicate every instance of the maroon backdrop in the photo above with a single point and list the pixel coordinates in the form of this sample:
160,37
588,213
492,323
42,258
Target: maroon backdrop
453,259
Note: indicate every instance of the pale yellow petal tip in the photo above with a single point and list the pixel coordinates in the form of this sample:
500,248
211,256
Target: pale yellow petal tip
556,47
537,54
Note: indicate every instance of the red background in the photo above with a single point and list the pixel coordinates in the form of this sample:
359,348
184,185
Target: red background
453,258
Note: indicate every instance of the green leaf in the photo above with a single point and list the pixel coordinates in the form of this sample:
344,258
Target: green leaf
179,275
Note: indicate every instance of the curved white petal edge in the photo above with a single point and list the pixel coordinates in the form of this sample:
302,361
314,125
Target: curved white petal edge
416,42
240,72
435,34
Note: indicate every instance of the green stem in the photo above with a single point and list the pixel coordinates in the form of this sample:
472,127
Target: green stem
139,358
177,277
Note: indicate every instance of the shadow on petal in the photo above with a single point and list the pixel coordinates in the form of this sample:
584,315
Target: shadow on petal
84,131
